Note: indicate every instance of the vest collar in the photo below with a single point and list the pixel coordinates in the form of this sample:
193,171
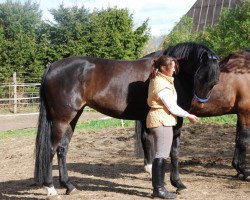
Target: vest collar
169,78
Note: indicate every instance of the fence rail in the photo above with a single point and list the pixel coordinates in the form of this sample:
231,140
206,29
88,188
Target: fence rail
14,96
21,98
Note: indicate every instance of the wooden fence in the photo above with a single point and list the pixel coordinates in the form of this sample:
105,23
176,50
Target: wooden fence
18,97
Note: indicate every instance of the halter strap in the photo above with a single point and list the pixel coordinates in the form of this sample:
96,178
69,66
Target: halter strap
201,100
213,57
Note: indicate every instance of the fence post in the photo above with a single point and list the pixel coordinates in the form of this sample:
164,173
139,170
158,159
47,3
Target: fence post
122,123
15,92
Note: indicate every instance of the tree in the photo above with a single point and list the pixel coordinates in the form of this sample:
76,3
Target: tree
231,33
106,33
18,24
182,32
70,32
28,43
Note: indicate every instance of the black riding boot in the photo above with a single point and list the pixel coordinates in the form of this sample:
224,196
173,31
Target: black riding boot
158,174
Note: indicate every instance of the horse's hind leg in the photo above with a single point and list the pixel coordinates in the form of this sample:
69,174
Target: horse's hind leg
236,150
241,146
59,130
62,153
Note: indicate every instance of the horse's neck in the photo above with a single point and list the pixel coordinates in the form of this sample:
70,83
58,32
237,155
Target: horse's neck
184,95
184,83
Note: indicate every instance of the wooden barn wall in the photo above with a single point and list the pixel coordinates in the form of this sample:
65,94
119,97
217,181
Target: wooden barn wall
207,12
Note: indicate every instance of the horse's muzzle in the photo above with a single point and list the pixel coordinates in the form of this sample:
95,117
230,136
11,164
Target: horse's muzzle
196,104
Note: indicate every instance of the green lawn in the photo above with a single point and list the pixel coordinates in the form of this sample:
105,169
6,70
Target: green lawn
109,123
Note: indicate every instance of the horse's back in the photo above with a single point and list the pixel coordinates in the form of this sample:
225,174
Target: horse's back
103,84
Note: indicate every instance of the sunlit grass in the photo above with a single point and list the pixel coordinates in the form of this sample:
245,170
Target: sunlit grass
88,125
18,133
225,119
101,124
110,123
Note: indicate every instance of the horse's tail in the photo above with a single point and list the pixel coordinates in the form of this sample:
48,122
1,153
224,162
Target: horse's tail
43,138
138,138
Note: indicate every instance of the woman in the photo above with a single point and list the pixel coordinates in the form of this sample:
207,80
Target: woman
162,99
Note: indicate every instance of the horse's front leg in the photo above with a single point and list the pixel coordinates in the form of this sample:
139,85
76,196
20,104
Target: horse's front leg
174,155
242,144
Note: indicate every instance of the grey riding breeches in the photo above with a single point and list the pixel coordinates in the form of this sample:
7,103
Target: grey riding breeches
163,137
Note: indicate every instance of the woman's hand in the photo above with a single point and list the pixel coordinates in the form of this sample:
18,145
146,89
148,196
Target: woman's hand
192,118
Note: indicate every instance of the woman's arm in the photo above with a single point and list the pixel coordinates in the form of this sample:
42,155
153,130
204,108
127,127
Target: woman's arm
168,99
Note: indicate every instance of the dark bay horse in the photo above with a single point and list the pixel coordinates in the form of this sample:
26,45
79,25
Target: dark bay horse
113,87
230,96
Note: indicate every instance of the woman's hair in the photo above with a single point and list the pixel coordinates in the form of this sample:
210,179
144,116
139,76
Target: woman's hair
163,60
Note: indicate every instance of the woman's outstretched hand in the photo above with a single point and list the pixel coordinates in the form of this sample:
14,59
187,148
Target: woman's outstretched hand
192,118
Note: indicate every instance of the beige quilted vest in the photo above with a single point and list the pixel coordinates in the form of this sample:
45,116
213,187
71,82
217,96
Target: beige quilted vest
159,114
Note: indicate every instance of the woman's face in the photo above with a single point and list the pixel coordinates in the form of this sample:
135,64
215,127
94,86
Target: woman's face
168,70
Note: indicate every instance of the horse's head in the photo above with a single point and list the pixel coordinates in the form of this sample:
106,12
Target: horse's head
206,77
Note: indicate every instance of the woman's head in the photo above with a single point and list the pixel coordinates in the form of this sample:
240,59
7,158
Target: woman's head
166,65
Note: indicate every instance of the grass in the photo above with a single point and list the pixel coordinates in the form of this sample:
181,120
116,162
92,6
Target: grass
110,123
88,125
18,133
225,119
100,124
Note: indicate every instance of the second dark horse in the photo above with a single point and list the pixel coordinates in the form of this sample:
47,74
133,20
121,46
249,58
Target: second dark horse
230,96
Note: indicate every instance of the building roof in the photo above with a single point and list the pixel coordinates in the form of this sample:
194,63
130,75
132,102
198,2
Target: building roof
206,12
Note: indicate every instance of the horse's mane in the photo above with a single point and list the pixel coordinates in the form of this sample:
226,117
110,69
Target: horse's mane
238,62
191,55
189,50
185,50
154,54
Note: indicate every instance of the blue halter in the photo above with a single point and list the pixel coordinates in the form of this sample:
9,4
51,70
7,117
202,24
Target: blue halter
212,57
201,100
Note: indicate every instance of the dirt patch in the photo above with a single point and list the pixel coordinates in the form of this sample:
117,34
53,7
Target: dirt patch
102,166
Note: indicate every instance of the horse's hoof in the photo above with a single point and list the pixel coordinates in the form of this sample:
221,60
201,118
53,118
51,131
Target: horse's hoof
148,168
178,184
54,197
238,175
246,176
181,190
73,192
